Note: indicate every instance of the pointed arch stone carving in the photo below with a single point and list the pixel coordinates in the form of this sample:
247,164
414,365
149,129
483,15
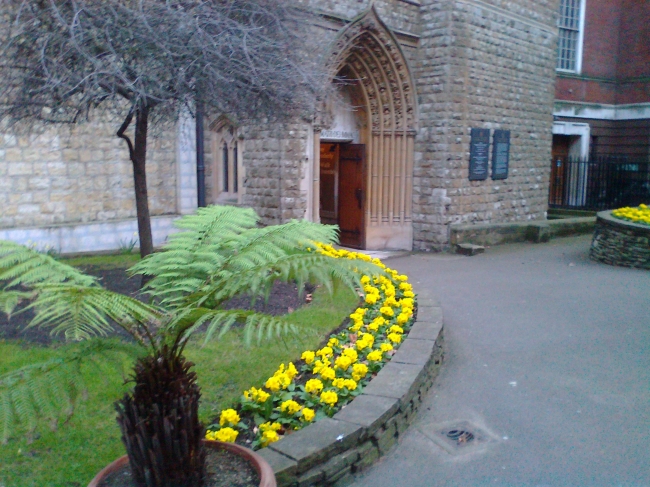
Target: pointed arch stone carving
368,50
371,48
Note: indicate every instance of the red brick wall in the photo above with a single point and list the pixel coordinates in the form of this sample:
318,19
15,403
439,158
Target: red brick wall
616,51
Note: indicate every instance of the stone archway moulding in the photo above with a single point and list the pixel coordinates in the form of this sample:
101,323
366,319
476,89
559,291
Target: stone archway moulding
368,50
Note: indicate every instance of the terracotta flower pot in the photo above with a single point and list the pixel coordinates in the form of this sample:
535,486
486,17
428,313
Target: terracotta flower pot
261,466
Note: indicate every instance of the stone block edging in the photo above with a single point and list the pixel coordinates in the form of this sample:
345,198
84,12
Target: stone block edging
331,451
620,242
537,231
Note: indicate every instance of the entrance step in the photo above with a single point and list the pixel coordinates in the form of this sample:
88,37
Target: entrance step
469,249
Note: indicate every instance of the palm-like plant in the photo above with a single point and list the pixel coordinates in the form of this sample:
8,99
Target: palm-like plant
221,252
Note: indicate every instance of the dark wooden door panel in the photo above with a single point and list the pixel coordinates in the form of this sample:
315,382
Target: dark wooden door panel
352,194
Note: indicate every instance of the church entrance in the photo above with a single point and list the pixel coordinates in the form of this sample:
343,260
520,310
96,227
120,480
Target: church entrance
342,190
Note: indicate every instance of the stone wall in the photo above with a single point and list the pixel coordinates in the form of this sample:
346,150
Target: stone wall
277,157
619,242
482,64
80,174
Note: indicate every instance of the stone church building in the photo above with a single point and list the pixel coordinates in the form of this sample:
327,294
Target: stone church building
445,116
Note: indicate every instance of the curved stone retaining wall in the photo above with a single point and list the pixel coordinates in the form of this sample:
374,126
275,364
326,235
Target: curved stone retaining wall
331,451
619,242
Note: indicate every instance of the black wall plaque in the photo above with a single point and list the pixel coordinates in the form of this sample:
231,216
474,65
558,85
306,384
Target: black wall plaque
478,154
500,154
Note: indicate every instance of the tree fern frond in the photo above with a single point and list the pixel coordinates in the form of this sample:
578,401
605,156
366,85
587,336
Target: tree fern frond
47,390
9,300
24,266
81,312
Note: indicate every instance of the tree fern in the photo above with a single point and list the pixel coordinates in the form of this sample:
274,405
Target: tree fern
221,253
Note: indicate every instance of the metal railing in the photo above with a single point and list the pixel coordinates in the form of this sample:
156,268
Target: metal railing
600,183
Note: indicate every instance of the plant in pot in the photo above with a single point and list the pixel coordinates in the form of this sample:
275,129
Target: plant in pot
221,252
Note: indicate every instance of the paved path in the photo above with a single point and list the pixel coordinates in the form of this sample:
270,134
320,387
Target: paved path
549,354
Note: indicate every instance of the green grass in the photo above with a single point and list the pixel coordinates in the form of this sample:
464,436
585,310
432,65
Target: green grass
111,261
72,455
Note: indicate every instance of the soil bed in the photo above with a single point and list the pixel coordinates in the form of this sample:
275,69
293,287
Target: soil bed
224,469
283,299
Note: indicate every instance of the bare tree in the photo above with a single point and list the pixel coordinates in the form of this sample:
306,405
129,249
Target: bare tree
63,60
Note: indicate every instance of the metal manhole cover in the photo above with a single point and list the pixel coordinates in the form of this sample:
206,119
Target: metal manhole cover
457,437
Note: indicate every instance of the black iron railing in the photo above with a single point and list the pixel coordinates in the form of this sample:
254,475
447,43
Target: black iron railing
601,183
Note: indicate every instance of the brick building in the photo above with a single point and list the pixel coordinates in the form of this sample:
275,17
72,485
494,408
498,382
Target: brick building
389,160
602,94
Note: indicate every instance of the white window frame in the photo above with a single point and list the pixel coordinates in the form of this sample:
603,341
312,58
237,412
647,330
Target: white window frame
580,41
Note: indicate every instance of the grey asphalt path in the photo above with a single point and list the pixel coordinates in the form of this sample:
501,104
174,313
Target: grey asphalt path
548,353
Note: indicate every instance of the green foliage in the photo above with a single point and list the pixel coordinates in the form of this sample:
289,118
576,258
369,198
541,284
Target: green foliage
48,390
222,253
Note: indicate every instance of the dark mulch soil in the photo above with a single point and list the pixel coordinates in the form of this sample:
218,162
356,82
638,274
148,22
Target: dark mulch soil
224,469
284,298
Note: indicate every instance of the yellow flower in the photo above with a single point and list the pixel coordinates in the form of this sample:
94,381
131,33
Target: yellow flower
338,383
229,416
350,384
385,347
273,384
308,356
325,352
329,397
333,342
386,310
409,294
395,337
227,435
356,327
313,386
359,371
343,362
375,356
320,365
328,373
405,286
351,353
268,426
269,437
371,298
307,415
365,279
396,329
402,318
391,302
257,395
291,371
290,407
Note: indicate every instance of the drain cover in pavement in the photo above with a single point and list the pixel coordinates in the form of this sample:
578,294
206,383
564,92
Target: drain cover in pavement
457,437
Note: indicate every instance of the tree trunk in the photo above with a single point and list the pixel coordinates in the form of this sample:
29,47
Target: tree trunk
139,159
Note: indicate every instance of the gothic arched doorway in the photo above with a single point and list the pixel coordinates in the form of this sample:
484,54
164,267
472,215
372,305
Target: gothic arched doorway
367,139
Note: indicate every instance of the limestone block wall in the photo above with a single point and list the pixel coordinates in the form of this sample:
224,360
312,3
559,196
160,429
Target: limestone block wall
482,64
79,174
399,15
277,156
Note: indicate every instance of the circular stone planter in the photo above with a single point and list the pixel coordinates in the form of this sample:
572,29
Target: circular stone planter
620,242
261,466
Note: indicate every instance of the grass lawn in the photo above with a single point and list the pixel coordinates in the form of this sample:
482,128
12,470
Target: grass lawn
72,455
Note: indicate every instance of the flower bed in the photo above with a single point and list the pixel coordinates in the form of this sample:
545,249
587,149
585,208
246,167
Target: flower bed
620,241
329,378
640,214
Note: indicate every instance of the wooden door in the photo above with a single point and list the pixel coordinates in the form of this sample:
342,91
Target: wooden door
329,175
352,195
560,155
